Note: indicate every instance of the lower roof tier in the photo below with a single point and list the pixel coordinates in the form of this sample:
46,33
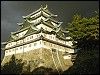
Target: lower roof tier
58,42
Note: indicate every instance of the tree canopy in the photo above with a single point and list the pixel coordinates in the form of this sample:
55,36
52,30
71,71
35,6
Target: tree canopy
14,66
84,30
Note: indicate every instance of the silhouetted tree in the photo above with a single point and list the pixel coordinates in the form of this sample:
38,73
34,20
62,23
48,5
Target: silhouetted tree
44,71
86,32
14,66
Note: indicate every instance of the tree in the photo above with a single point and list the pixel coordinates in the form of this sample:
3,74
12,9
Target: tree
86,32
14,66
44,71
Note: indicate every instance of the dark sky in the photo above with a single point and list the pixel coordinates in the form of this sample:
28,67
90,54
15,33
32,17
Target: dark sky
12,12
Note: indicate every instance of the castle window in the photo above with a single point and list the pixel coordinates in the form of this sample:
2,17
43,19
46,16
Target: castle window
18,42
35,44
37,35
25,46
50,37
22,34
9,44
6,51
40,42
9,50
32,36
16,48
21,41
53,50
53,37
21,47
27,38
44,43
51,44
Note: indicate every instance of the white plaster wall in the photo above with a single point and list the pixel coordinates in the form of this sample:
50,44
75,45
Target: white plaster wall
36,14
51,37
43,44
12,51
19,51
19,41
7,45
54,23
54,46
29,38
61,41
69,50
21,34
26,48
11,44
69,43
68,37
44,27
6,52
67,57
45,14
38,45
38,20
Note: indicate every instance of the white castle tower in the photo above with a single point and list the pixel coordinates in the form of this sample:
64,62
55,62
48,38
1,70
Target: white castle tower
40,38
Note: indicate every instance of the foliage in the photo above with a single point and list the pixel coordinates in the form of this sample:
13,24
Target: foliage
14,66
44,71
87,62
86,32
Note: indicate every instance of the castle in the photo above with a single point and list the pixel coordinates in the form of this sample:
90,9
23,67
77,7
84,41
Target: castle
40,40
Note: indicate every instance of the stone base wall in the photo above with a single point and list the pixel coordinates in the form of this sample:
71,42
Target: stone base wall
43,57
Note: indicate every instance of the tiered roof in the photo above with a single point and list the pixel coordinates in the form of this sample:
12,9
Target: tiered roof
31,26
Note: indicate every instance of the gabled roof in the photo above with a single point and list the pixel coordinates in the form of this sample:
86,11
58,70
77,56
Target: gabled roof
49,21
30,30
25,24
48,12
40,9
10,38
20,30
33,18
43,22
23,27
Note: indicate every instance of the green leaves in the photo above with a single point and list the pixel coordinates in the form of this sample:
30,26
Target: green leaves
82,28
86,32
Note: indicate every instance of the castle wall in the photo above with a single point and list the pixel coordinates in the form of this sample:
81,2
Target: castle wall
45,57
36,45
44,27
